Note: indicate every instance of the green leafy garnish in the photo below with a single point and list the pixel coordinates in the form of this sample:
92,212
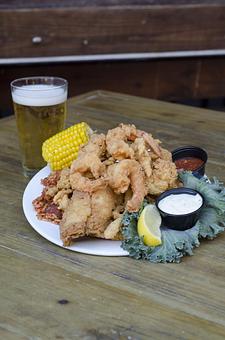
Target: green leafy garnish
176,244
210,223
213,191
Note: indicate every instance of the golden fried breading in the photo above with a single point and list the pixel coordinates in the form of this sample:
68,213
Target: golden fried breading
103,202
64,179
82,183
87,171
61,199
166,155
113,230
73,224
152,143
142,155
88,163
96,145
127,173
111,174
164,176
116,141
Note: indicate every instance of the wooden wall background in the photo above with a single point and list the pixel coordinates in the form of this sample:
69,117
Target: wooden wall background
175,49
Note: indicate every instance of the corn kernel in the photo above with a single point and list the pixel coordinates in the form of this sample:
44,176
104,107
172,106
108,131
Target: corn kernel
61,149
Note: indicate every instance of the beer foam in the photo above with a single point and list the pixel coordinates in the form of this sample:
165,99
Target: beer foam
39,95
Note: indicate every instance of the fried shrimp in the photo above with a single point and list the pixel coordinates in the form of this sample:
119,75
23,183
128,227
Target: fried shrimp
127,173
116,141
96,145
151,142
87,172
88,163
81,183
142,155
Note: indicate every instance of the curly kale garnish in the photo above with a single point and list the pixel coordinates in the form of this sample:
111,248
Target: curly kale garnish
176,244
213,191
211,223
132,242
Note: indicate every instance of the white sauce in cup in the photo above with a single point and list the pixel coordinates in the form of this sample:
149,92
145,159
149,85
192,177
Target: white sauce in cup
180,204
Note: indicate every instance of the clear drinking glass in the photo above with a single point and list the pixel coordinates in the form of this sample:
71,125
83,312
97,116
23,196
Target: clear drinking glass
40,110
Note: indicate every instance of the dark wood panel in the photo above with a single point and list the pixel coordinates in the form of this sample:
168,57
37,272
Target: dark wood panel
116,29
94,3
172,79
212,82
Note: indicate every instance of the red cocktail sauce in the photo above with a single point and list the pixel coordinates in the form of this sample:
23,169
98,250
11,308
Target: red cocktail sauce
189,163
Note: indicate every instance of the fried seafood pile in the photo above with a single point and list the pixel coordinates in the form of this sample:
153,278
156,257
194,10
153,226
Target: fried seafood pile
112,173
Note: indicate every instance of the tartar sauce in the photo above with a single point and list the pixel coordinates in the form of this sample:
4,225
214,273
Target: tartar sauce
180,204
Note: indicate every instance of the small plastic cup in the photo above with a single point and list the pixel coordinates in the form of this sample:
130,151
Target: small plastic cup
179,221
192,151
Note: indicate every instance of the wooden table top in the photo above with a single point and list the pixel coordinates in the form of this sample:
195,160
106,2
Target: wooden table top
51,293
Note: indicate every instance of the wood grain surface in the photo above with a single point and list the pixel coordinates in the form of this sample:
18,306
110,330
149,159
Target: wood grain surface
95,27
52,293
165,79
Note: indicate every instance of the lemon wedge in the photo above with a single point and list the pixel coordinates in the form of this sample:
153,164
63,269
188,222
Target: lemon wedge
149,226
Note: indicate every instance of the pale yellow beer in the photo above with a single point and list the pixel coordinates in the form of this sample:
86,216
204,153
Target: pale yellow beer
40,110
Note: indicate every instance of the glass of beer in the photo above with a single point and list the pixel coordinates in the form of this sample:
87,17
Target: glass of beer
40,110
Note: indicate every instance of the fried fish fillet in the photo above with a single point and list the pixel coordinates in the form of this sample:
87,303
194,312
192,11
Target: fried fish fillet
103,202
73,224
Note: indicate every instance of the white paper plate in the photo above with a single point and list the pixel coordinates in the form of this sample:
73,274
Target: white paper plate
50,231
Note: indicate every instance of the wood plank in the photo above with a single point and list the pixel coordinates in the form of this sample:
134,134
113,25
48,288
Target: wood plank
171,79
87,316
116,29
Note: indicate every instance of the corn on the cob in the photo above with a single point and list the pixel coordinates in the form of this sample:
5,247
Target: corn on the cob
61,149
